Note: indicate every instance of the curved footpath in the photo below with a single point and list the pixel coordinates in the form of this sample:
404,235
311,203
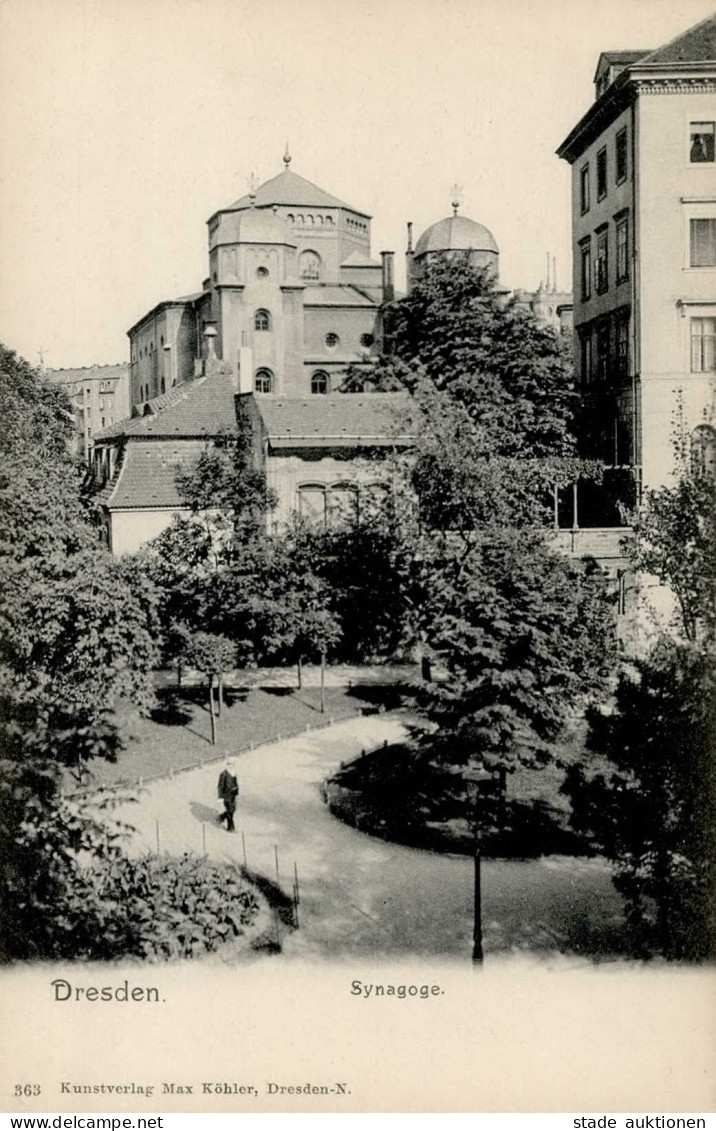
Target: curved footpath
364,897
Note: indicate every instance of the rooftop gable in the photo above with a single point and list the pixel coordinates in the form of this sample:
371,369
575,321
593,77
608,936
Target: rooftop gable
287,189
201,408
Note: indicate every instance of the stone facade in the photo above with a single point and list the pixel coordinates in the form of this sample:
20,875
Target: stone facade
644,243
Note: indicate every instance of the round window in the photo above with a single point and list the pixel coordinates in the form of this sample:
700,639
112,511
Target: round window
332,341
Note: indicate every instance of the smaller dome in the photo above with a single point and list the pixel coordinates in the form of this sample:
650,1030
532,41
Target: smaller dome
262,225
456,233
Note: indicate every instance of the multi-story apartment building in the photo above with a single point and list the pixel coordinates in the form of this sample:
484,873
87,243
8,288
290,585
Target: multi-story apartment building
99,395
644,248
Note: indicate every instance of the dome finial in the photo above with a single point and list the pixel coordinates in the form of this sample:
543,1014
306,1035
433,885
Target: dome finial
456,193
286,159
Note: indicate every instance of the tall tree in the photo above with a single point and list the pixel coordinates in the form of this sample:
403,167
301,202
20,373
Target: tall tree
513,375
77,634
647,794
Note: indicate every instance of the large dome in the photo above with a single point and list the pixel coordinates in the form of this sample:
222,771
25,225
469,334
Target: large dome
456,233
262,225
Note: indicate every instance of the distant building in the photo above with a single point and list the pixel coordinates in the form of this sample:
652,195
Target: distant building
292,298
99,395
459,235
644,244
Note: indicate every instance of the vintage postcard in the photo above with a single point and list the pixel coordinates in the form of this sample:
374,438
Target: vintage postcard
357,567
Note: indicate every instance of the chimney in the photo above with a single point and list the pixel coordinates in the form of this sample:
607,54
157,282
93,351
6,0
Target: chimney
388,286
246,365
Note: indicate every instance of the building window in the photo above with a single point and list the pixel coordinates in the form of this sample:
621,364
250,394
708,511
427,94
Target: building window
701,142
703,243
319,382
703,450
366,340
262,320
703,345
586,357
622,347
312,503
262,272
601,263
601,174
342,505
621,156
332,341
602,351
622,249
310,266
263,381
290,218
584,189
586,251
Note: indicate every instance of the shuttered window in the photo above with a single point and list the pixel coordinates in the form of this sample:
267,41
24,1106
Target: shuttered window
703,243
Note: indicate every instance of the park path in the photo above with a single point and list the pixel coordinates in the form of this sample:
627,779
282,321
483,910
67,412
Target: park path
361,896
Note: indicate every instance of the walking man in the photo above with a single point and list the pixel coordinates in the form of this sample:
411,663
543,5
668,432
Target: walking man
228,790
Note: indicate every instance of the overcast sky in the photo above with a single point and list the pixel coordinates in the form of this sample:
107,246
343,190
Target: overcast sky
125,123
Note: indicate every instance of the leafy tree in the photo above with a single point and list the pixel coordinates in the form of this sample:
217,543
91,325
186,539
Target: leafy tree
213,655
512,374
647,798
675,541
525,637
227,490
77,627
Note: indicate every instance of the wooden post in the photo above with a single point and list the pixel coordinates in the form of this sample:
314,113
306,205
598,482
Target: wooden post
323,681
296,898
299,664
211,710
220,692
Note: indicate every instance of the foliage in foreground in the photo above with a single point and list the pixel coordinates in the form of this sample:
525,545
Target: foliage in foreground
71,892
649,801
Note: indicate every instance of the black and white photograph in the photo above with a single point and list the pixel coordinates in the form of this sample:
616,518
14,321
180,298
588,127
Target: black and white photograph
358,563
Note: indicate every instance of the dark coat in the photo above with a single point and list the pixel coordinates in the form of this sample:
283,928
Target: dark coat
228,786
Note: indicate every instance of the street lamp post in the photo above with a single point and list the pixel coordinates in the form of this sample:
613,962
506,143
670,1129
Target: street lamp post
477,777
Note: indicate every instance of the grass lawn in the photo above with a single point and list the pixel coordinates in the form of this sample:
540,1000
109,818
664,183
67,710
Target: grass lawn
178,734
401,795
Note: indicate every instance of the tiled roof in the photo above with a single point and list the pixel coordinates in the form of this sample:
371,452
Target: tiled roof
288,188
332,295
697,45
339,420
358,259
203,407
147,476
87,373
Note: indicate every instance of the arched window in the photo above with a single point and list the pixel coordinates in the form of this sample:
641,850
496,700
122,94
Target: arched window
703,450
319,382
290,218
262,272
163,386
342,505
262,320
310,265
312,503
263,381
